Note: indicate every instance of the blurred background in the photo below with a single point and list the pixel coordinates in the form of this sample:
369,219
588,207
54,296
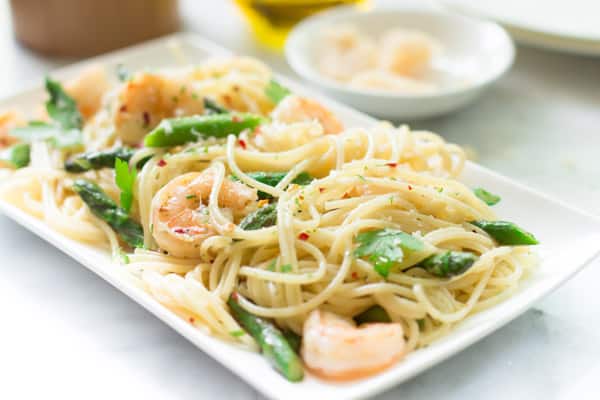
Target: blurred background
539,124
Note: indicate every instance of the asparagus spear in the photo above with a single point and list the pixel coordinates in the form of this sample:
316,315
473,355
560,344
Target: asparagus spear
261,218
274,345
16,156
98,159
273,178
212,107
447,264
372,314
178,131
294,340
106,209
506,233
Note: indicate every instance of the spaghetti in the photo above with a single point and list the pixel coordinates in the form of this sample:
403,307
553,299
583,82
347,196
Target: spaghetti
296,220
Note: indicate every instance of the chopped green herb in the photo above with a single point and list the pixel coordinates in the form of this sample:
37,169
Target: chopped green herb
421,323
286,268
123,73
488,198
362,178
272,266
191,196
276,92
17,155
237,333
124,257
386,247
125,180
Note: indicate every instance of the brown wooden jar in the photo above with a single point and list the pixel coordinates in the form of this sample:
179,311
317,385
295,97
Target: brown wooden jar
87,27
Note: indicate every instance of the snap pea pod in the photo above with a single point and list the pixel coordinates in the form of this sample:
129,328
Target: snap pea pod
271,340
506,233
447,264
16,156
177,131
263,217
107,210
273,179
373,314
98,159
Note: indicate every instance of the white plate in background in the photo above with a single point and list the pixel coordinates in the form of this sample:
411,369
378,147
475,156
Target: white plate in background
570,239
571,26
474,54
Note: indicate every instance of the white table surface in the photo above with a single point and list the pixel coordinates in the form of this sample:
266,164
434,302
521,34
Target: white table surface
65,333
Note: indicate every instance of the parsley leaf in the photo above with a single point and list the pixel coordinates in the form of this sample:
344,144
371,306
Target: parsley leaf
65,130
125,179
276,92
61,107
386,247
16,156
286,268
488,198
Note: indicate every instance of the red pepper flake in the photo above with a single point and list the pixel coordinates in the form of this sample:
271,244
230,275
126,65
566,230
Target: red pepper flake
123,108
303,236
242,143
161,163
354,275
392,164
235,118
192,320
146,116
234,296
321,190
179,230
409,187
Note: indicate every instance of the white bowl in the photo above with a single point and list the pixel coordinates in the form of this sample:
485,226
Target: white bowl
475,54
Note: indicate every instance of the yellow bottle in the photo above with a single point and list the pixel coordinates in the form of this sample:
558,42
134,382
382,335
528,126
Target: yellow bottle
271,20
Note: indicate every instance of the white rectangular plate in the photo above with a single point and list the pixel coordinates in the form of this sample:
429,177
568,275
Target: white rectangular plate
570,239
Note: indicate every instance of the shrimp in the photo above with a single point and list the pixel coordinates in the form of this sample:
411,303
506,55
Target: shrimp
8,120
406,52
300,109
87,90
147,99
180,217
334,348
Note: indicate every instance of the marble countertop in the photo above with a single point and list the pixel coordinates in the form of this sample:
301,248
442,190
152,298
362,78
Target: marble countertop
68,334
